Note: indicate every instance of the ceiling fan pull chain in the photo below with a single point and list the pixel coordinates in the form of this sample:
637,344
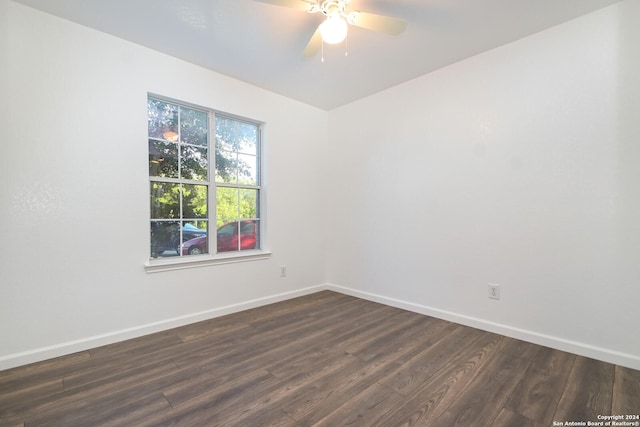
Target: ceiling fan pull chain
322,58
346,45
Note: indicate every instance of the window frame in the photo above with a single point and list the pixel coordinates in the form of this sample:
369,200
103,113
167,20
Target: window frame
213,257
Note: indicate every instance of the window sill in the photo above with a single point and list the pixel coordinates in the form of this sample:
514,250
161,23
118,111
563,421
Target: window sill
193,261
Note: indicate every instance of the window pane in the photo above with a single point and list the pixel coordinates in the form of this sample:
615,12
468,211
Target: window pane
230,238
194,127
234,135
226,167
162,120
249,232
165,238
232,168
247,169
194,163
248,139
227,230
163,159
194,237
248,203
193,229
227,201
194,201
227,237
165,200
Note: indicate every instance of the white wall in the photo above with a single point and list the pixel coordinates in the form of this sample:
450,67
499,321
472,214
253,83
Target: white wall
520,167
75,203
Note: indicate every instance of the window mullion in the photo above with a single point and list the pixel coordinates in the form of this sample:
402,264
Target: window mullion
239,221
212,241
179,144
163,179
241,186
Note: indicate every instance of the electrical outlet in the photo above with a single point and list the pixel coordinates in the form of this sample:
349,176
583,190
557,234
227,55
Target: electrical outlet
494,291
283,271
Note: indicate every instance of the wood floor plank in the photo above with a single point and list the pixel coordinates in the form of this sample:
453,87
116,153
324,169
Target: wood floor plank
588,392
136,346
310,400
203,409
626,392
236,363
491,388
219,370
365,344
273,418
319,404
412,374
216,377
407,333
365,325
197,351
118,388
19,395
316,404
220,326
542,386
99,414
313,360
37,373
507,418
372,403
104,372
428,401
322,359
304,308
328,392
338,364
271,347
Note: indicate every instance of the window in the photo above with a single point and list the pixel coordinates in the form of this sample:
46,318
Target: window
185,182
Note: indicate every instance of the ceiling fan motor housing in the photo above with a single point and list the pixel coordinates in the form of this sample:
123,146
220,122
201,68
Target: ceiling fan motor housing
332,8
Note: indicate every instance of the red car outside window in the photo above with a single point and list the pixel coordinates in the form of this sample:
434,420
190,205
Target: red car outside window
227,239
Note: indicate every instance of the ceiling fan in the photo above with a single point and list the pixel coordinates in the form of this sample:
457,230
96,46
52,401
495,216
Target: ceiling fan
334,28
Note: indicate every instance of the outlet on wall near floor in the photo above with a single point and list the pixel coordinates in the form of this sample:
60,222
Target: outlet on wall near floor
283,271
494,291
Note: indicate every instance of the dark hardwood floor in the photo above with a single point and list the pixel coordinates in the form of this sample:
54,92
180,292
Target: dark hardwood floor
321,360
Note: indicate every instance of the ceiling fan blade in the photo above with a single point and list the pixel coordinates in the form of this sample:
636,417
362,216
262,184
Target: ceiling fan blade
303,5
314,45
380,23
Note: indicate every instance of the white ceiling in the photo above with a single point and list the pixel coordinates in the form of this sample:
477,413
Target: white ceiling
262,44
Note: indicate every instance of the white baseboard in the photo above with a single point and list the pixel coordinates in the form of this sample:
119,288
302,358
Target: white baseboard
582,349
62,349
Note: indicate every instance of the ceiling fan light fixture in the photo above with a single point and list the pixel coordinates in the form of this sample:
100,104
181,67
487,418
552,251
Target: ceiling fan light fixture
333,30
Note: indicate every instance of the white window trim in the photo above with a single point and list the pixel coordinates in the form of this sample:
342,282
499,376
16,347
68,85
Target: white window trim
193,261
